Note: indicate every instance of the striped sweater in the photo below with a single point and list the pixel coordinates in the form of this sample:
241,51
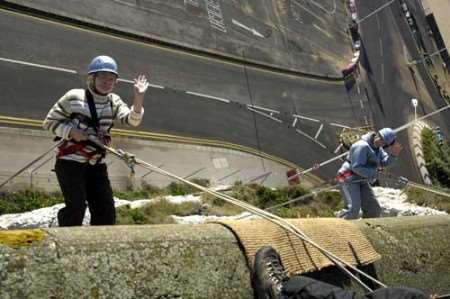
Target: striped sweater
60,119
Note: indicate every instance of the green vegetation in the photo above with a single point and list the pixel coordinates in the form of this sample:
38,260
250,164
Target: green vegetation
437,158
156,213
27,200
428,199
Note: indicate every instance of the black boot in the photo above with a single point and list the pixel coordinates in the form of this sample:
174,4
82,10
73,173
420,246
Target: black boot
268,274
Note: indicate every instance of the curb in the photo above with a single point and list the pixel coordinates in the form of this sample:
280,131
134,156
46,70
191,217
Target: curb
418,152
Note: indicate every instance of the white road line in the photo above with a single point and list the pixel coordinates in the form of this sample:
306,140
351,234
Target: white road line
340,126
381,47
208,96
362,104
295,121
309,137
308,11
262,108
307,118
378,23
382,73
132,82
365,120
319,131
323,31
252,30
358,88
338,148
39,65
266,115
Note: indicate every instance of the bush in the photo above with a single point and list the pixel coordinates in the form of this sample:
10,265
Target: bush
27,200
427,199
156,213
437,158
176,188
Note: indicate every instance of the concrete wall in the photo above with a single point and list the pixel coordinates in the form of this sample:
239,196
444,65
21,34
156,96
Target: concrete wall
192,261
221,166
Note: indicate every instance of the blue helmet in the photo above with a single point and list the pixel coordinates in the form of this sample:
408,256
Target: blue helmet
388,135
103,63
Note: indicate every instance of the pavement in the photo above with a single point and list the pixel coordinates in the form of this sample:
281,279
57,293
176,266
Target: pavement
292,117
441,10
301,36
222,166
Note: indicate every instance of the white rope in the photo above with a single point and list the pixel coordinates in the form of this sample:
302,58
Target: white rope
263,214
401,128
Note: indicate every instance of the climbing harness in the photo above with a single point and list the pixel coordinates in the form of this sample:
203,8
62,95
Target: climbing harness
341,264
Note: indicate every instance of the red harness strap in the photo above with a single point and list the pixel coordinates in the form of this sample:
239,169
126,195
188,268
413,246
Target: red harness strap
79,148
342,176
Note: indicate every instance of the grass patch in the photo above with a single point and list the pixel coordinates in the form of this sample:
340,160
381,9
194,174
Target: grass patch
428,199
155,213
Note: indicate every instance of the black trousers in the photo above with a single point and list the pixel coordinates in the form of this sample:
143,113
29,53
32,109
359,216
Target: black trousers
301,287
85,185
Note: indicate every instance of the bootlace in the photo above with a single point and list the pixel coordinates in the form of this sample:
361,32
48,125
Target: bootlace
277,274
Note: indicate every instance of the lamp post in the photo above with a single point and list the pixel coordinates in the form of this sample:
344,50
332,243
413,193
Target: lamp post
415,102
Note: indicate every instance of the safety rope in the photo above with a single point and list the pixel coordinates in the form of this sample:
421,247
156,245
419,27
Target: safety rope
341,264
406,182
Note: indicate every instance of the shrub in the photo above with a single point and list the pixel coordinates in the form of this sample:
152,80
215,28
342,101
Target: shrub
437,158
27,200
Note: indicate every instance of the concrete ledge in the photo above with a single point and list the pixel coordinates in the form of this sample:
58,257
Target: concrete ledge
169,261
192,261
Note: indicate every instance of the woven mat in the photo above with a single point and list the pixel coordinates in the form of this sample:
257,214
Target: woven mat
340,237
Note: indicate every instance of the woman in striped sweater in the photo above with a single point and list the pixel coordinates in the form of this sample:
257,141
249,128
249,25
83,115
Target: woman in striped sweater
78,117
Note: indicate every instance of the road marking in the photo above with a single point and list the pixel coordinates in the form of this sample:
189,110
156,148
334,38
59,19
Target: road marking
295,121
262,108
229,175
132,82
340,126
310,138
378,23
53,68
361,103
309,11
365,120
167,49
266,115
338,148
252,30
358,88
381,47
323,31
319,131
208,96
382,73
307,118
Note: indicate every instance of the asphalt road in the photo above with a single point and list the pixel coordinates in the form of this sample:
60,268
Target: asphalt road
289,117
388,45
